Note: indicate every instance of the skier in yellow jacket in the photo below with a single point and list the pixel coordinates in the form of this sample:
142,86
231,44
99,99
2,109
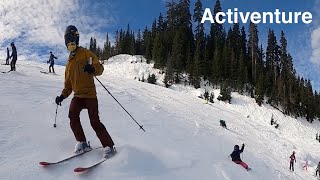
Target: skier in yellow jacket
82,65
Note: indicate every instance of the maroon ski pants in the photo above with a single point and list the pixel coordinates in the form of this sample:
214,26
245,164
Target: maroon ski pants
91,104
243,164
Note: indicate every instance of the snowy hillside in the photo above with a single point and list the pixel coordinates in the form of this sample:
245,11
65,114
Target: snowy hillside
183,139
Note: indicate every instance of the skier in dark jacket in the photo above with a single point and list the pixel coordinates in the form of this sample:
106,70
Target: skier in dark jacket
235,155
51,61
14,57
318,170
292,160
8,57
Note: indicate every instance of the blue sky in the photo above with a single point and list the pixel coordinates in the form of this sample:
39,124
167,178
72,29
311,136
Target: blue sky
37,26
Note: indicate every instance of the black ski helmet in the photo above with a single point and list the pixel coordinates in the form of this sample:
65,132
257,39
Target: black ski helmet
236,147
12,44
71,34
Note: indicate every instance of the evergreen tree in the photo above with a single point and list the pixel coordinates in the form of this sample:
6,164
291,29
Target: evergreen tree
199,63
169,72
178,53
132,48
259,90
272,68
211,98
253,50
152,79
225,94
147,44
106,52
171,24
139,44
159,52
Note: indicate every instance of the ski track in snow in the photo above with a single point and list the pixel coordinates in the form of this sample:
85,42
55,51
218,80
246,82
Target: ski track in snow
183,138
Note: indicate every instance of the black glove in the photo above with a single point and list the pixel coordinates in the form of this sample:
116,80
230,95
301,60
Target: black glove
59,99
89,69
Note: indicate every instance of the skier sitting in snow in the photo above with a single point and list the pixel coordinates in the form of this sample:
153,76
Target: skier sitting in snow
235,155
292,160
318,169
272,121
223,124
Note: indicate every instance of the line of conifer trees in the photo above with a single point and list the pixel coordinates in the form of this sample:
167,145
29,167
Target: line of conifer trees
226,58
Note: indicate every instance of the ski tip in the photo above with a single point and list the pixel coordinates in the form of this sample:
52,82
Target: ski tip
80,169
44,163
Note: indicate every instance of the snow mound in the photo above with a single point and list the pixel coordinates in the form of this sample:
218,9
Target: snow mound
132,67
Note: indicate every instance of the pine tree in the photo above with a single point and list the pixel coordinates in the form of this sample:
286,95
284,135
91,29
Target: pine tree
138,45
285,74
225,94
169,72
159,52
253,50
199,63
91,44
106,51
272,68
147,44
161,26
132,48
178,53
117,42
211,98
171,24
259,90
152,79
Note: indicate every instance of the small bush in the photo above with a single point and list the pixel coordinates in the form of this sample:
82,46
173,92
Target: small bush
225,95
152,79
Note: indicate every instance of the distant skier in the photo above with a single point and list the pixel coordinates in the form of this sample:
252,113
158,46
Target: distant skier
317,137
51,61
223,124
235,155
8,57
14,57
318,170
292,161
79,79
305,165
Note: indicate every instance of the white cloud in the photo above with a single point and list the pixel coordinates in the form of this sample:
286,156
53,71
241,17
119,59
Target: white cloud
37,26
315,35
315,44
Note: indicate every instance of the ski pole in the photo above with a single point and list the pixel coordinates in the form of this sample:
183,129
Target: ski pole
55,119
19,68
141,126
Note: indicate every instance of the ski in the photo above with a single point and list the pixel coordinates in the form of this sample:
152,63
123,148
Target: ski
44,72
83,169
45,163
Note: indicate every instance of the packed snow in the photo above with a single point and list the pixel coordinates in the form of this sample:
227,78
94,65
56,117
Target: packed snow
183,138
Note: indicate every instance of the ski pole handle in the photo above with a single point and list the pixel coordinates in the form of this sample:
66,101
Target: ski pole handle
90,60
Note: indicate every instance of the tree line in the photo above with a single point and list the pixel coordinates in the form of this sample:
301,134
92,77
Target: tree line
229,59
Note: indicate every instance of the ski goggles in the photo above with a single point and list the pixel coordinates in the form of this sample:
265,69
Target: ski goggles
70,38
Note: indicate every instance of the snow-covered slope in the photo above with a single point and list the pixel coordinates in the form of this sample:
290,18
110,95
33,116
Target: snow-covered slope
183,139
